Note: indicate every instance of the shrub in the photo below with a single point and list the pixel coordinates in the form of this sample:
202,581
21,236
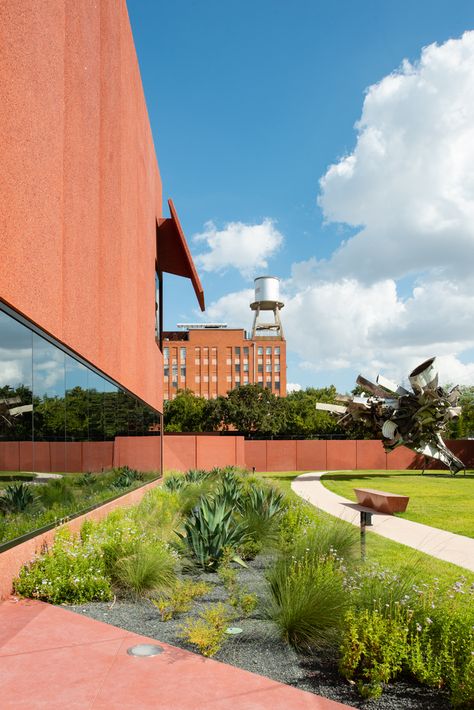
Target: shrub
196,475
440,650
180,599
175,482
87,479
210,530
307,600
18,498
372,650
244,601
249,549
297,518
147,568
434,628
72,573
207,632
261,512
126,477
158,513
57,493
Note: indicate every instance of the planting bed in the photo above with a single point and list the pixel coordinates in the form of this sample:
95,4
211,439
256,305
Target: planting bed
259,648
308,613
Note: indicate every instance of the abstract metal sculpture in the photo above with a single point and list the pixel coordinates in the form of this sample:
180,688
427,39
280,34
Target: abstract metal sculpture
403,418
8,413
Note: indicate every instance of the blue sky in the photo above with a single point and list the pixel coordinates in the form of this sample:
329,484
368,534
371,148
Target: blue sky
251,103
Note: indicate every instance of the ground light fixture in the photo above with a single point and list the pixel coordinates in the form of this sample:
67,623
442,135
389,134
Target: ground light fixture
143,650
233,630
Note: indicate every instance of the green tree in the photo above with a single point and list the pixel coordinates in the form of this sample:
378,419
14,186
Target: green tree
304,420
186,412
254,411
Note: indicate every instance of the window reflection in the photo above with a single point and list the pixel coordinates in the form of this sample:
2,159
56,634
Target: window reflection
52,404
96,407
77,400
15,380
49,414
110,410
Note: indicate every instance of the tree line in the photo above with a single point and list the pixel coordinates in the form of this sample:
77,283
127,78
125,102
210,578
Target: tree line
256,412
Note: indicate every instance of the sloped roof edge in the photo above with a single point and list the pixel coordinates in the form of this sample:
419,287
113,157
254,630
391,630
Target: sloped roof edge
173,255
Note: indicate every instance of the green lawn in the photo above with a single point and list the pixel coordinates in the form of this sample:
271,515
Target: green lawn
436,499
386,552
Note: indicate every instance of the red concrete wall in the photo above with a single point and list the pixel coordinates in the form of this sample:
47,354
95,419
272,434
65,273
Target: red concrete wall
179,453
311,455
142,453
80,188
182,452
10,456
256,455
371,455
281,455
13,560
217,451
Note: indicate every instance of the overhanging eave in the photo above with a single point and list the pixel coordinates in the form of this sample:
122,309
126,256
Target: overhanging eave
173,255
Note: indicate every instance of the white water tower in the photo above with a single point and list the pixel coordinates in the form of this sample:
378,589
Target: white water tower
267,299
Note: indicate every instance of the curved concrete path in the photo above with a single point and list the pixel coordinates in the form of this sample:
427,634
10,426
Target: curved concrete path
457,549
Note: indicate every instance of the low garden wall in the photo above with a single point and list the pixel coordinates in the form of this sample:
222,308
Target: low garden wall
184,451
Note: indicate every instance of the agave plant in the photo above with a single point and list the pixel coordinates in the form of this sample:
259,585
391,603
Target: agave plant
230,490
126,477
196,475
17,498
175,482
210,530
267,502
261,512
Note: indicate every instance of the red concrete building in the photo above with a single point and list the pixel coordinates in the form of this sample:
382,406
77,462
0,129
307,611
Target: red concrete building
210,361
84,239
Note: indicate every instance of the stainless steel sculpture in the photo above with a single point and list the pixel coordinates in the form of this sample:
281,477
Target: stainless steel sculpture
403,418
8,413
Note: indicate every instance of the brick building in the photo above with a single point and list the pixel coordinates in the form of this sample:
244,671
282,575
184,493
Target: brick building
210,360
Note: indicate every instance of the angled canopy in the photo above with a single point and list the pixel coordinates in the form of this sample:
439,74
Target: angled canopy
173,253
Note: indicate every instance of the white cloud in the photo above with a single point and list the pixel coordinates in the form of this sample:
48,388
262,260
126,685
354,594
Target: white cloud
409,182
408,188
292,387
233,309
245,247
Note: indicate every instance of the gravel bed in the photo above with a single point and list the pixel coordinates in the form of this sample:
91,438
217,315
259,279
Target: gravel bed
259,649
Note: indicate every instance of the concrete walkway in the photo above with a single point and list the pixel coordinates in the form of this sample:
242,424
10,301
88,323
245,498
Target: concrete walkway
52,659
457,549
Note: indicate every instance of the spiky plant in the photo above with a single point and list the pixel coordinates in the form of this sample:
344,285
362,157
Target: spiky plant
18,498
209,530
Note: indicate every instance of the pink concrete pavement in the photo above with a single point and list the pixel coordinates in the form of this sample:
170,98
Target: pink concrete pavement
52,658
